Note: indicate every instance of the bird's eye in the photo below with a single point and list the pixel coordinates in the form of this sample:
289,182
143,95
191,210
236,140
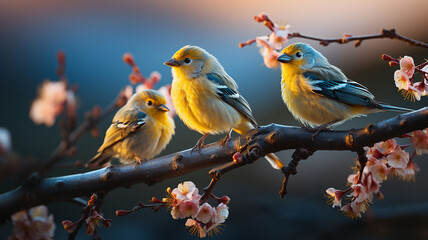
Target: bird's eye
298,54
149,103
187,60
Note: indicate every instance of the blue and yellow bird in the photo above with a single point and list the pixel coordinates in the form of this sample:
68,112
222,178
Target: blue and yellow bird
140,130
206,98
318,94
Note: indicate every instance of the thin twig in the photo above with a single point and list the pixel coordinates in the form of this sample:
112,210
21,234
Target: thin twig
291,169
386,33
88,124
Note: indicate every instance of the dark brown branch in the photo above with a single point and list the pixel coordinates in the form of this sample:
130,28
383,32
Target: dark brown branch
291,169
386,33
255,144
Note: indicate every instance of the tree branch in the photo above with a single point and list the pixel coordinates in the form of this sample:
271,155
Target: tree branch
386,33
253,145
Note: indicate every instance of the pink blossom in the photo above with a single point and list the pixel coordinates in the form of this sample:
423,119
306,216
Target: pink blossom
359,207
398,158
166,92
140,88
379,172
128,92
186,191
402,81
348,211
335,196
196,228
407,66
176,213
5,142
222,213
155,77
419,140
183,200
370,184
386,147
71,104
268,52
279,37
270,57
419,89
205,213
189,208
407,173
359,193
352,178
37,224
50,102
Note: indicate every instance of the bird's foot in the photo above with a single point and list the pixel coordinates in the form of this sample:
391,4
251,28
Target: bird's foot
200,144
320,128
225,140
138,161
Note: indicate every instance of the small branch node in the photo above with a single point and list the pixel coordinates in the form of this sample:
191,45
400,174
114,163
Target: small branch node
176,166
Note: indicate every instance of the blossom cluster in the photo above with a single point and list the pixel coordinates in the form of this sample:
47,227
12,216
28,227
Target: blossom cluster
35,223
383,159
143,83
51,100
271,44
404,79
203,219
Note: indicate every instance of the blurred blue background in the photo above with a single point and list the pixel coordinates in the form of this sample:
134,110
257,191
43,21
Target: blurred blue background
95,34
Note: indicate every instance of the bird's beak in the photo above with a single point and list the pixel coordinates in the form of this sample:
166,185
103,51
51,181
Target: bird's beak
284,58
163,108
172,62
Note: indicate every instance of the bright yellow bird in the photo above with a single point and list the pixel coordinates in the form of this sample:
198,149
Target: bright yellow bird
140,130
206,98
318,94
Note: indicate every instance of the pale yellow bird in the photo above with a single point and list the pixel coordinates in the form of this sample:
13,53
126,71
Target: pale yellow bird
206,98
140,130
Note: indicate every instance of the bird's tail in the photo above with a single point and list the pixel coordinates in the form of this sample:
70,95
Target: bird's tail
274,161
396,109
98,160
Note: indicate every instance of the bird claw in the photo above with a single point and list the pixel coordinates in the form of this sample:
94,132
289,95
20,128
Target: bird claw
225,140
320,128
138,161
200,144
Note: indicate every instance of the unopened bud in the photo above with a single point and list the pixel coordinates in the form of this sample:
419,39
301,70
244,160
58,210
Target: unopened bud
120,213
128,58
224,200
237,158
392,63
68,225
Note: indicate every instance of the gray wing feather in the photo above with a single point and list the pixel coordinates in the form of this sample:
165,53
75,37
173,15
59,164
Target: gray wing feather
231,97
345,91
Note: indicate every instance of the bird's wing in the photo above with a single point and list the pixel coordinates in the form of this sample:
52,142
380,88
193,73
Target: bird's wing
346,91
124,124
231,97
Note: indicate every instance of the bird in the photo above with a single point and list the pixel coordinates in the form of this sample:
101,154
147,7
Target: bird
318,94
206,98
140,130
